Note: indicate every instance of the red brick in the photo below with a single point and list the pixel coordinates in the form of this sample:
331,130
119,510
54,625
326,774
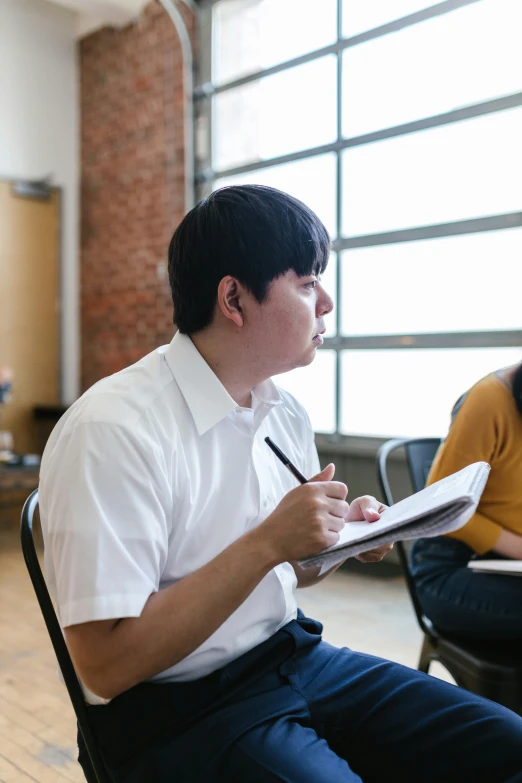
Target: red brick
131,84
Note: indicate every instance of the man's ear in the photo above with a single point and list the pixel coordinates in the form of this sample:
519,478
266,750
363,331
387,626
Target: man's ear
229,296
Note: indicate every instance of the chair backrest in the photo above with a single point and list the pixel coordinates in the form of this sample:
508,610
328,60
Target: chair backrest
420,453
72,684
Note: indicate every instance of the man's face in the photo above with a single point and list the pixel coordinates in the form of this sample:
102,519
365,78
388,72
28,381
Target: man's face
285,329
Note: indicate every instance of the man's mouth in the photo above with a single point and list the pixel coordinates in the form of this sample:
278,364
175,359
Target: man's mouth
318,339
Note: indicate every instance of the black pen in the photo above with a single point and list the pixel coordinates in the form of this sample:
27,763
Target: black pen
286,462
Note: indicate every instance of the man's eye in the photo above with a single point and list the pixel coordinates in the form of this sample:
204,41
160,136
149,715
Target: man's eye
311,284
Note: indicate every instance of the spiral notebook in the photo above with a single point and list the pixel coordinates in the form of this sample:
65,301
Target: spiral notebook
440,508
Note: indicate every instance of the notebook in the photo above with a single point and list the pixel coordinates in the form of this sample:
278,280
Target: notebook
438,509
507,567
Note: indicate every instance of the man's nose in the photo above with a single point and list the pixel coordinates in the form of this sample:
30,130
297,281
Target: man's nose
325,303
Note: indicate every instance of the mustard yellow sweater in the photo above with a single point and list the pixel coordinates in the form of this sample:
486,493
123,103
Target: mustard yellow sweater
487,427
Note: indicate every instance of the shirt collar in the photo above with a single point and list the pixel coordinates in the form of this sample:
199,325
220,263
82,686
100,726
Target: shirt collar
206,397
266,393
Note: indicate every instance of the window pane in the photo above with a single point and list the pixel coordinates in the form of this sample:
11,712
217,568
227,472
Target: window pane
362,15
481,46
314,387
250,36
415,390
311,180
462,283
290,111
463,170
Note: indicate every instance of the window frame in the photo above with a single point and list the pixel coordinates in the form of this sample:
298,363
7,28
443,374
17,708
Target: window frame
206,175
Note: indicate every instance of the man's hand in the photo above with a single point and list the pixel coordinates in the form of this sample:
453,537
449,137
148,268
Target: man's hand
308,519
374,555
368,508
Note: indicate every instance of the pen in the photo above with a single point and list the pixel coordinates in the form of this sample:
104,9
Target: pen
286,462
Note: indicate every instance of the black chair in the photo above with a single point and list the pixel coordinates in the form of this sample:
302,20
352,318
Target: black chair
491,669
97,773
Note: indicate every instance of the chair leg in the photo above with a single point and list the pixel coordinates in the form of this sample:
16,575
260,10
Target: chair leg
425,656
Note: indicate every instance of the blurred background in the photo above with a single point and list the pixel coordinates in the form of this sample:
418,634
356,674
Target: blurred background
398,121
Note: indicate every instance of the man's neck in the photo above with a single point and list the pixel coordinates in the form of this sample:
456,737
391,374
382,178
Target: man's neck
230,363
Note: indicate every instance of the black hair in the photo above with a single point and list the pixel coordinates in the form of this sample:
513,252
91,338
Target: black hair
517,387
251,232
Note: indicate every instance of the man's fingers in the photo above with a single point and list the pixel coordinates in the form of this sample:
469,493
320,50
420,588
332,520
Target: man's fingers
338,508
326,474
365,508
331,489
336,489
368,557
375,555
336,523
331,538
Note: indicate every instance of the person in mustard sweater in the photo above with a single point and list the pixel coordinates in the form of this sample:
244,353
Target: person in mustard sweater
486,425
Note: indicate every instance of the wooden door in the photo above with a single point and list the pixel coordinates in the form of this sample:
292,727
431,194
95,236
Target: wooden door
29,307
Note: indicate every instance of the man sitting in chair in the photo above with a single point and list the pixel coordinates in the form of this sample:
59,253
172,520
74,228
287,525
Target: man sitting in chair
172,535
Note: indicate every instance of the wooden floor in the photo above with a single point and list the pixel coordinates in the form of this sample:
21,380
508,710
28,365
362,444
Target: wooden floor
364,607
37,726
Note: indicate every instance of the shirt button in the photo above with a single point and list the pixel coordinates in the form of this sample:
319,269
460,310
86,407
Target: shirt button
267,502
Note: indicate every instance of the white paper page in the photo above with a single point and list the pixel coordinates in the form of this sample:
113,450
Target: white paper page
454,487
355,531
508,567
334,555
438,509
439,527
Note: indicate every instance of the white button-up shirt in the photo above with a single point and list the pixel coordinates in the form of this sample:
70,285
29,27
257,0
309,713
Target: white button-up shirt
152,473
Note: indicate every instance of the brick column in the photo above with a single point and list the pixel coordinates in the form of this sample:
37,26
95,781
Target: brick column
132,188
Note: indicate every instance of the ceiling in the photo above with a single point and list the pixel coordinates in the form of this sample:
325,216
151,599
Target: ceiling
93,14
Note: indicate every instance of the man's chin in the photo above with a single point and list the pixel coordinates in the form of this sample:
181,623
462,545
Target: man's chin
307,358
303,361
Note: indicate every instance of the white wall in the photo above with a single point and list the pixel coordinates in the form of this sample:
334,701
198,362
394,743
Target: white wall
39,133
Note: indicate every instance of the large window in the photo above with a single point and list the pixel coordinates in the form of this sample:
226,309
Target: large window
400,123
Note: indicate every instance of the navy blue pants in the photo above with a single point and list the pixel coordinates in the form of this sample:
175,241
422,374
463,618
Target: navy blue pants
458,600
298,710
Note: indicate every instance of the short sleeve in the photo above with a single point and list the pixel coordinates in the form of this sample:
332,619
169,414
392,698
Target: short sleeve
480,533
104,505
473,437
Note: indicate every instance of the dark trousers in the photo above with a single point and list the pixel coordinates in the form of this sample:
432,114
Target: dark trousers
460,601
298,710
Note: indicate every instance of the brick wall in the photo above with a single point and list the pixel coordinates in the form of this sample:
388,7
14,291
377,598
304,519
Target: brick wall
132,188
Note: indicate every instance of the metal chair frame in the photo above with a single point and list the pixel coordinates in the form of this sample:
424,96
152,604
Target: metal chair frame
490,668
97,773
